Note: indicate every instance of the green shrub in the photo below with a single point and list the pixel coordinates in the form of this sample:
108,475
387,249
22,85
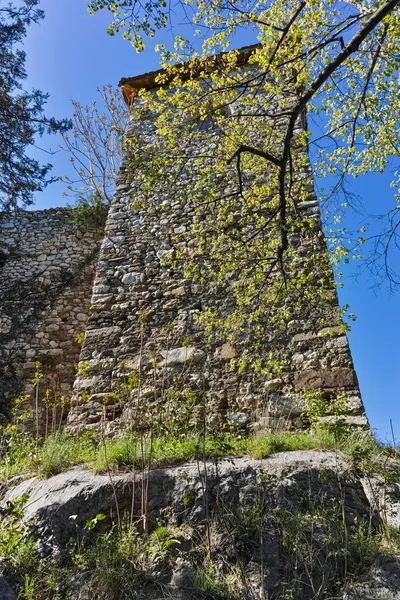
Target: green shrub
360,447
213,584
121,558
363,546
89,211
17,451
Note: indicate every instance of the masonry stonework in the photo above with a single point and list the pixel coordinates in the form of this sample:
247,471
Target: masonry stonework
46,274
146,354
144,322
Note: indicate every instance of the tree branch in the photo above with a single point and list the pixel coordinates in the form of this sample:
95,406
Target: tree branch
243,148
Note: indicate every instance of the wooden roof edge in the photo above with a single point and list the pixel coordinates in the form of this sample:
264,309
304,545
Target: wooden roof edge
131,85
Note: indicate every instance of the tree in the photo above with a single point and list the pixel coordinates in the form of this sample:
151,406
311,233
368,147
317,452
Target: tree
22,115
95,145
133,19
336,62
342,58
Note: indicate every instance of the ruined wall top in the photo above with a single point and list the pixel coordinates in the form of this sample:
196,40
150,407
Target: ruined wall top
46,273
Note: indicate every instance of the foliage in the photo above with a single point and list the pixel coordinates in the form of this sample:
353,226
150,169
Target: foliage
86,212
17,450
121,557
133,18
22,115
326,411
96,149
363,546
227,143
113,557
212,583
323,546
12,535
361,449
18,446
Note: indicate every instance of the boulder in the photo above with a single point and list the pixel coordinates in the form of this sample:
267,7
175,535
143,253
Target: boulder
309,494
57,506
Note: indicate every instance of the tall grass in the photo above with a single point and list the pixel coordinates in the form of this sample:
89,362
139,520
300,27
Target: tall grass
62,451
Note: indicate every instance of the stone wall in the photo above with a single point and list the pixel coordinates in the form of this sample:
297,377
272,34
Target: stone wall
46,275
144,327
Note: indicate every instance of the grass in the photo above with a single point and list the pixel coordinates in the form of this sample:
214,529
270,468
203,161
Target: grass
212,584
163,451
262,446
62,451
17,450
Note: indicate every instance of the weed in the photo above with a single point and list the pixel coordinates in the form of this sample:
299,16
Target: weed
13,533
166,450
29,590
360,448
121,557
363,546
161,543
60,452
17,451
390,539
213,583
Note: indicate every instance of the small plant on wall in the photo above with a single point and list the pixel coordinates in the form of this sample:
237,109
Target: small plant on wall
89,211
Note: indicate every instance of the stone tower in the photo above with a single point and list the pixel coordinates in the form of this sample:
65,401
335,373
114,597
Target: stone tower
144,345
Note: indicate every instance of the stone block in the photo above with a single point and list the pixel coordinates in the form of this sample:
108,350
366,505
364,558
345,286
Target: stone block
325,379
132,278
181,356
304,337
226,352
272,385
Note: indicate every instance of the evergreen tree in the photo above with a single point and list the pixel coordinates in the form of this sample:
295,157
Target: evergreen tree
21,113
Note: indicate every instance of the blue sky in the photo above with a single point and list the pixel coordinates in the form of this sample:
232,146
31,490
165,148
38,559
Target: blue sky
69,54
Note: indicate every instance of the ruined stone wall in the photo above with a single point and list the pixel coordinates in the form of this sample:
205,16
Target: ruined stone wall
46,275
143,322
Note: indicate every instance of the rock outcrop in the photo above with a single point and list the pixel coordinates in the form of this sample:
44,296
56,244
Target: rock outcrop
297,523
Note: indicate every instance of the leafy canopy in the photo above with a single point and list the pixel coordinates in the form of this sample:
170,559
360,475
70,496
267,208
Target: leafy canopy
342,57
21,113
242,133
